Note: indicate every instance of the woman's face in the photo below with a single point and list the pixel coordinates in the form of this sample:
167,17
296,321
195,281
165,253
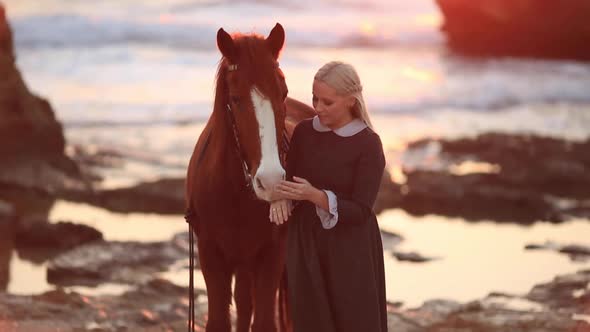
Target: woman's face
334,110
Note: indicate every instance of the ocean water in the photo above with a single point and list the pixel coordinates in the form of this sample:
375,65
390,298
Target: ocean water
469,262
137,76
121,73
150,62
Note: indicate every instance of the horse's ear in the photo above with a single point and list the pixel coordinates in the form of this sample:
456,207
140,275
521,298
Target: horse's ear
226,45
276,40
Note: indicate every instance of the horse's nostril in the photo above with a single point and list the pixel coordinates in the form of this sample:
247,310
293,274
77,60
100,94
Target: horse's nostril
259,184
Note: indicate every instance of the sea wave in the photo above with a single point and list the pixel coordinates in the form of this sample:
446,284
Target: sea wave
118,117
74,30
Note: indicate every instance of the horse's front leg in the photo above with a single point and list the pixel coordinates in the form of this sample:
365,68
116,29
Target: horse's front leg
269,268
243,297
217,273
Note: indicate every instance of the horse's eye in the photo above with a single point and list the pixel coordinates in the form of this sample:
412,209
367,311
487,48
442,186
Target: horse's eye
235,100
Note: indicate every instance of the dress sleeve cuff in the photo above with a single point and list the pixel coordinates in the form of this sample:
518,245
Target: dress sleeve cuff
329,218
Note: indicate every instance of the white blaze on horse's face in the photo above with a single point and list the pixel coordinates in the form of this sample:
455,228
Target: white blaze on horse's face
270,172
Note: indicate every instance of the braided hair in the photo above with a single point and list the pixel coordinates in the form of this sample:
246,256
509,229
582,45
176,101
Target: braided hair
343,78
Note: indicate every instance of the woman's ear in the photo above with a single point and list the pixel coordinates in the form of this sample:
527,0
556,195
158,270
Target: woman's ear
350,101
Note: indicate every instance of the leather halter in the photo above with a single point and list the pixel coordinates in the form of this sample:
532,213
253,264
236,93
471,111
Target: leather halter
238,146
241,153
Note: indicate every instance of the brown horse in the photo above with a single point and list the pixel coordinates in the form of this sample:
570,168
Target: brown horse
236,162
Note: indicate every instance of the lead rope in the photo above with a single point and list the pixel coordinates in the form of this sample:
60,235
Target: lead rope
191,289
285,148
191,252
191,240
241,153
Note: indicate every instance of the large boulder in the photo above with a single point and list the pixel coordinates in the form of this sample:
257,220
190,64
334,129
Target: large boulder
474,197
495,176
540,28
7,222
6,45
116,262
164,196
31,139
38,239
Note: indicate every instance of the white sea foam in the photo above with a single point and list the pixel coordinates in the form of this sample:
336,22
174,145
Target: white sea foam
193,24
143,62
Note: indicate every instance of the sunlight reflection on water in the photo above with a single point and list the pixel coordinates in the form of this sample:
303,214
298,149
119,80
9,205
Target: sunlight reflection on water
475,258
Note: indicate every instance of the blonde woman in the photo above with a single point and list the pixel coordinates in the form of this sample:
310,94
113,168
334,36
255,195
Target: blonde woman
334,252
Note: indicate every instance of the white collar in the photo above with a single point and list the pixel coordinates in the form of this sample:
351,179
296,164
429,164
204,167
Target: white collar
349,129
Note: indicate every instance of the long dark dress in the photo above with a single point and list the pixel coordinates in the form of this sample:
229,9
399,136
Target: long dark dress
336,276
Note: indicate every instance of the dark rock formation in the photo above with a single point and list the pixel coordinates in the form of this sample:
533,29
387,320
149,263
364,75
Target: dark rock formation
550,307
540,28
536,178
61,235
120,262
542,164
411,257
390,239
31,139
389,194
6,44
7,226
575,252
157,305
474,197
164,196
567,293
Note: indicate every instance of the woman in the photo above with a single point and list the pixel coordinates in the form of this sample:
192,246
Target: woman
334,252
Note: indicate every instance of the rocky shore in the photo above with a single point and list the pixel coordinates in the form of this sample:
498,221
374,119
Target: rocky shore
33,164
561,304
499,177
155,304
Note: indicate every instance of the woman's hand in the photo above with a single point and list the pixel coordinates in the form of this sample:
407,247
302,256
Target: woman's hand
280,211
299,190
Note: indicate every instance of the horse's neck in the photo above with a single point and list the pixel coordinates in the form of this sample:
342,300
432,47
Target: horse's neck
226,170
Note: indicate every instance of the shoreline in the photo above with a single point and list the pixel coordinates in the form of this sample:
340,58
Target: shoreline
415,248
153,299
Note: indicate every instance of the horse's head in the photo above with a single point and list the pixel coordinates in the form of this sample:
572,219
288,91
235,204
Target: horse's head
254,92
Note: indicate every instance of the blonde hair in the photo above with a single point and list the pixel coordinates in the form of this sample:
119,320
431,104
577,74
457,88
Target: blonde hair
343,78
